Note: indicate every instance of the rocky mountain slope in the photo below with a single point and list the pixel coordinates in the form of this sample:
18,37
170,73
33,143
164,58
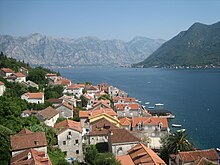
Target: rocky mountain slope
199,45
38,49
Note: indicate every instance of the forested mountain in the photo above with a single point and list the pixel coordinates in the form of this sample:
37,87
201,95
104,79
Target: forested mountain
199,45
44,50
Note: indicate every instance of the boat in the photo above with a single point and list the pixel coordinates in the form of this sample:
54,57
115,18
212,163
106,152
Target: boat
147,103
181,130
218,149
151,107
159,105
176,125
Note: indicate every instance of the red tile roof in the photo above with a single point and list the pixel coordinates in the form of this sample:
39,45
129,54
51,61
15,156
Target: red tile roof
122,136
31,157
132,106
55,100
101,127
192,156
125,121
38,95
48,113
95,112
7,70
1,83
18,74
150,121
125,160
51,74
63,81
130,99
117,98
140,154
69,124
26,139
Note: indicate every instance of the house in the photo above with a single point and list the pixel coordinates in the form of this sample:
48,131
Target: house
2,88
5,72
152,127
121,140
55,102
30,83
128,109
69,99
91,89
26,139
197,157
113,91
90,116
48,115
125,123
37,98
74,90
140,154
103,87
62,81
99,104
70,138
99,130
27,113
24,70
65,110
51,76
31,156
20,77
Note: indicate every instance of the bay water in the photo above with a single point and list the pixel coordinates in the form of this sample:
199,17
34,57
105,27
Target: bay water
192,95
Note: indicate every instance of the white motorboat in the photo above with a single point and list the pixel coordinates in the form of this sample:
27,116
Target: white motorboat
176,125
181,130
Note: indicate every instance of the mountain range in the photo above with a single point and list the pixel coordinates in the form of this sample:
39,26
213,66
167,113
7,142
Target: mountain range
38,49
197,46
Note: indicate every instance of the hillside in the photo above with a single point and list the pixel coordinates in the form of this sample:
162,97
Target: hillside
44,50
199,45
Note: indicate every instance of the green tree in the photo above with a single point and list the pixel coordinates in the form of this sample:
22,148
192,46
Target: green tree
57,157
90,154
174,143
55,91
37,75
106,159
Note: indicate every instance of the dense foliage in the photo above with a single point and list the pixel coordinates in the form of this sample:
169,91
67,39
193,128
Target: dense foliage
174,143
57,157
6,62
53,91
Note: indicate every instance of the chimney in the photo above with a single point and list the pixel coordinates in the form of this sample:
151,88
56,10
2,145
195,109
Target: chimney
29,155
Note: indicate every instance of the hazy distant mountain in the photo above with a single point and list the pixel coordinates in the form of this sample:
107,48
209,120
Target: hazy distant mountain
45,50
199,45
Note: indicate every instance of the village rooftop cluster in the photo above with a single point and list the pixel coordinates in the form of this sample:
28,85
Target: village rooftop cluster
132,132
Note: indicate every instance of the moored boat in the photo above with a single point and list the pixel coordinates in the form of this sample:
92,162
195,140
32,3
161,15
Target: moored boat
181,130
176,125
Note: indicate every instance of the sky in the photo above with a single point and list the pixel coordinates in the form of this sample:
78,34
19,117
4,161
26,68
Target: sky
109,19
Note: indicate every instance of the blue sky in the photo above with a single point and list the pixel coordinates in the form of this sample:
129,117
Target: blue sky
110,19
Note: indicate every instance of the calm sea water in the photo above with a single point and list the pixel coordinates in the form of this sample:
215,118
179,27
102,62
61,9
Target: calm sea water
192,95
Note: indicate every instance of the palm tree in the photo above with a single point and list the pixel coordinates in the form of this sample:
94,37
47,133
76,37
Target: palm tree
178,142
174,143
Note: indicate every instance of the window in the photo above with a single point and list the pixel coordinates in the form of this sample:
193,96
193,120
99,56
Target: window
77,151
64,142
36,142
76,141
69,133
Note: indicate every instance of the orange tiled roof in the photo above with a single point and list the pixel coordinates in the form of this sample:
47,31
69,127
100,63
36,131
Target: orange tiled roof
95,112
7,70
51,74
125,160
121,107
63,81
38,95
101,127
69,124
54,100
150,121
122,136
26,139
125,121
18,74
48,113
1,83
192,156
129,99
117,98
140,154
36,157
